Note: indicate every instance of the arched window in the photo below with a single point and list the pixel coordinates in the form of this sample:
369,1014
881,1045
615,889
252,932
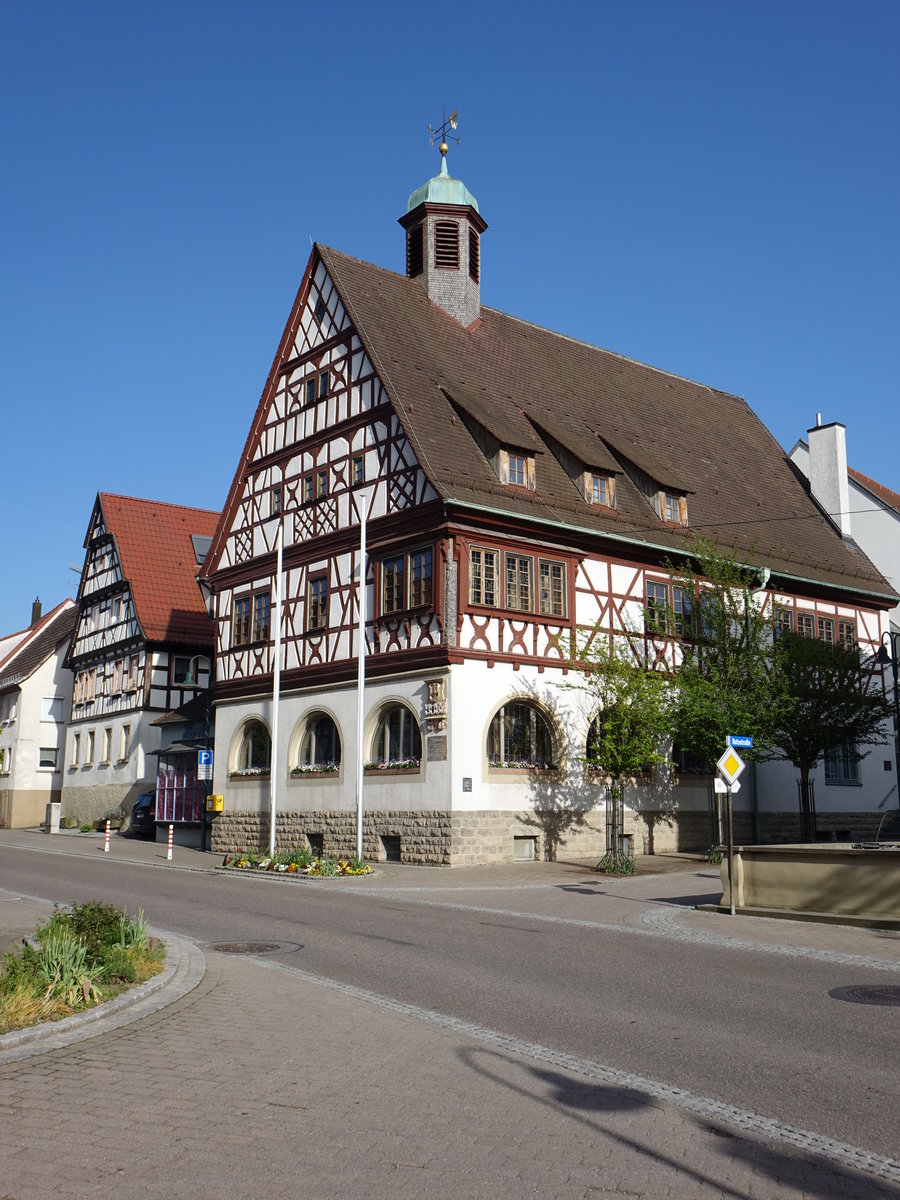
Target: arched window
519,737
255,751
320,746
397,741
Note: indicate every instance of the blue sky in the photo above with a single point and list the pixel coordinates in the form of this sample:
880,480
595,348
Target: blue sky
708,187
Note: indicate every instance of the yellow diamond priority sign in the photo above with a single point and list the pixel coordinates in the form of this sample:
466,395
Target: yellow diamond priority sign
730,765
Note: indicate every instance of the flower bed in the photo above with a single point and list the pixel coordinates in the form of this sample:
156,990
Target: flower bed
296,862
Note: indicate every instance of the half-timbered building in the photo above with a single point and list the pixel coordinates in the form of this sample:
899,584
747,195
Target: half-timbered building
141,646
519,487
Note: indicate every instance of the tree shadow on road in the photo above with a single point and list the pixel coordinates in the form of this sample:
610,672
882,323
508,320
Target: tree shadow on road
795,1171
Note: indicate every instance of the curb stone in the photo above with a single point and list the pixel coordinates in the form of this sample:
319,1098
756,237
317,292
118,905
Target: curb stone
185,967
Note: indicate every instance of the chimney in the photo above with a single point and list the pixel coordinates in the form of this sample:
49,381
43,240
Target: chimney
828,471
36,610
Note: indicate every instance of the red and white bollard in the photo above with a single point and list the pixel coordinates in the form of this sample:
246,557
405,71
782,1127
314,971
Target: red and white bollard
171,836
106,841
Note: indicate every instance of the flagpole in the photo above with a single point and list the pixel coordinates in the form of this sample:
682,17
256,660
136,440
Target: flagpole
276,686
361,678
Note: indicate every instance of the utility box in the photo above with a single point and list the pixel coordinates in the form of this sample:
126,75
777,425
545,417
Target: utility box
215,804
53,811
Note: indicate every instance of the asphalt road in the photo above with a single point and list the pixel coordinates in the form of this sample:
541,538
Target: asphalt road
625,973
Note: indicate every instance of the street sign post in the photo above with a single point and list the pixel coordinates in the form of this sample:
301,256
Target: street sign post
740,740
730,767
204,764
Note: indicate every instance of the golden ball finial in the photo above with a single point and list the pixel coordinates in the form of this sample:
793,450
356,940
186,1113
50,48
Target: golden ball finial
443,147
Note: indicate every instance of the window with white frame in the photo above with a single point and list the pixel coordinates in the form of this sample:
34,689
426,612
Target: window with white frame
52,708
76,749
484,577
518,582
89,749
48,758
107,744
6,755
552,588
125,743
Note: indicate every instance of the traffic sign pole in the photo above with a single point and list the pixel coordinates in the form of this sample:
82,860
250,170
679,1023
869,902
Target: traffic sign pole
730,849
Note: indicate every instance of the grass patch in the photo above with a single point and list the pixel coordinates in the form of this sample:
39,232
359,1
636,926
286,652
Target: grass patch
84,955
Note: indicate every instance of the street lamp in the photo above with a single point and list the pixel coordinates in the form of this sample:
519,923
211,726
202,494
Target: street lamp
884,659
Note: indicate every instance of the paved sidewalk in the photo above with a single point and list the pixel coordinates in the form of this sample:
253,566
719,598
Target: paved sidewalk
265,1081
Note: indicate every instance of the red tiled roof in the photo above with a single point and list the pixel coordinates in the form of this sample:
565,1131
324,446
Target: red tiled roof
891,499
158,560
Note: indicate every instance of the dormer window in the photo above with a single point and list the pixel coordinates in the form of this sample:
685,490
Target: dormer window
673,508
599,489
516,468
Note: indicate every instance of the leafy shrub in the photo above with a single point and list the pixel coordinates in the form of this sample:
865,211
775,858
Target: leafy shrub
83,955
87,827
118,965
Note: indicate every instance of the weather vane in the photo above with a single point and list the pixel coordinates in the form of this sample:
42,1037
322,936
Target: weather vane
441,132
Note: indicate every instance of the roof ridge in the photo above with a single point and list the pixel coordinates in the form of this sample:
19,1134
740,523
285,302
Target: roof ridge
158,503
873,485
637,362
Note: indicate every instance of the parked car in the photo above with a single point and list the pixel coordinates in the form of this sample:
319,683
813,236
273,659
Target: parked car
143,815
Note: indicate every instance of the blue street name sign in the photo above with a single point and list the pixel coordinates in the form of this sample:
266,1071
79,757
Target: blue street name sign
739,741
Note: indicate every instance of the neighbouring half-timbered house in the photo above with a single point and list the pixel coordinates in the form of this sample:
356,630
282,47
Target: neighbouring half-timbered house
143,634
519,487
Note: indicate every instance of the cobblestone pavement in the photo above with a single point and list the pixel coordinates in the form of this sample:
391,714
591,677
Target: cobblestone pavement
265,1081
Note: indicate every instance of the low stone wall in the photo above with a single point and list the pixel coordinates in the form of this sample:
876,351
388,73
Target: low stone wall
827,879
441,838
421,838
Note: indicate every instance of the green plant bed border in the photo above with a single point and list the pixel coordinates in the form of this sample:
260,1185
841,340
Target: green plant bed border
297,863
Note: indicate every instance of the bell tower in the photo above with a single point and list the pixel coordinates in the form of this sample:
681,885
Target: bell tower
443,239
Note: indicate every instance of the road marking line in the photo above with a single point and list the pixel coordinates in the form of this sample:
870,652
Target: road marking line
702,1106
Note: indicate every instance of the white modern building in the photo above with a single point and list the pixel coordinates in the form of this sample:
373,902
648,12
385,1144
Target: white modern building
35,698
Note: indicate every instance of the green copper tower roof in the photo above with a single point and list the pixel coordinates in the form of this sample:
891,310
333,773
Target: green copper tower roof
442,189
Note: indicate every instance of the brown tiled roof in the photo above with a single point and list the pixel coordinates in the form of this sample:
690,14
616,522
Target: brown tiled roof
39,643
515,377
891,499
158,560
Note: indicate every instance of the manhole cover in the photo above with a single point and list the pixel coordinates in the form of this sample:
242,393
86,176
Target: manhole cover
867,993
246,947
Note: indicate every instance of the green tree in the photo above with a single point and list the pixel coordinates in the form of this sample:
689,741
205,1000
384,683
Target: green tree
630,719
827,702
725,677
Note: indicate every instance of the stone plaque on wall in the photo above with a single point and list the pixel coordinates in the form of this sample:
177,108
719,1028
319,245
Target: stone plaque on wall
437,747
